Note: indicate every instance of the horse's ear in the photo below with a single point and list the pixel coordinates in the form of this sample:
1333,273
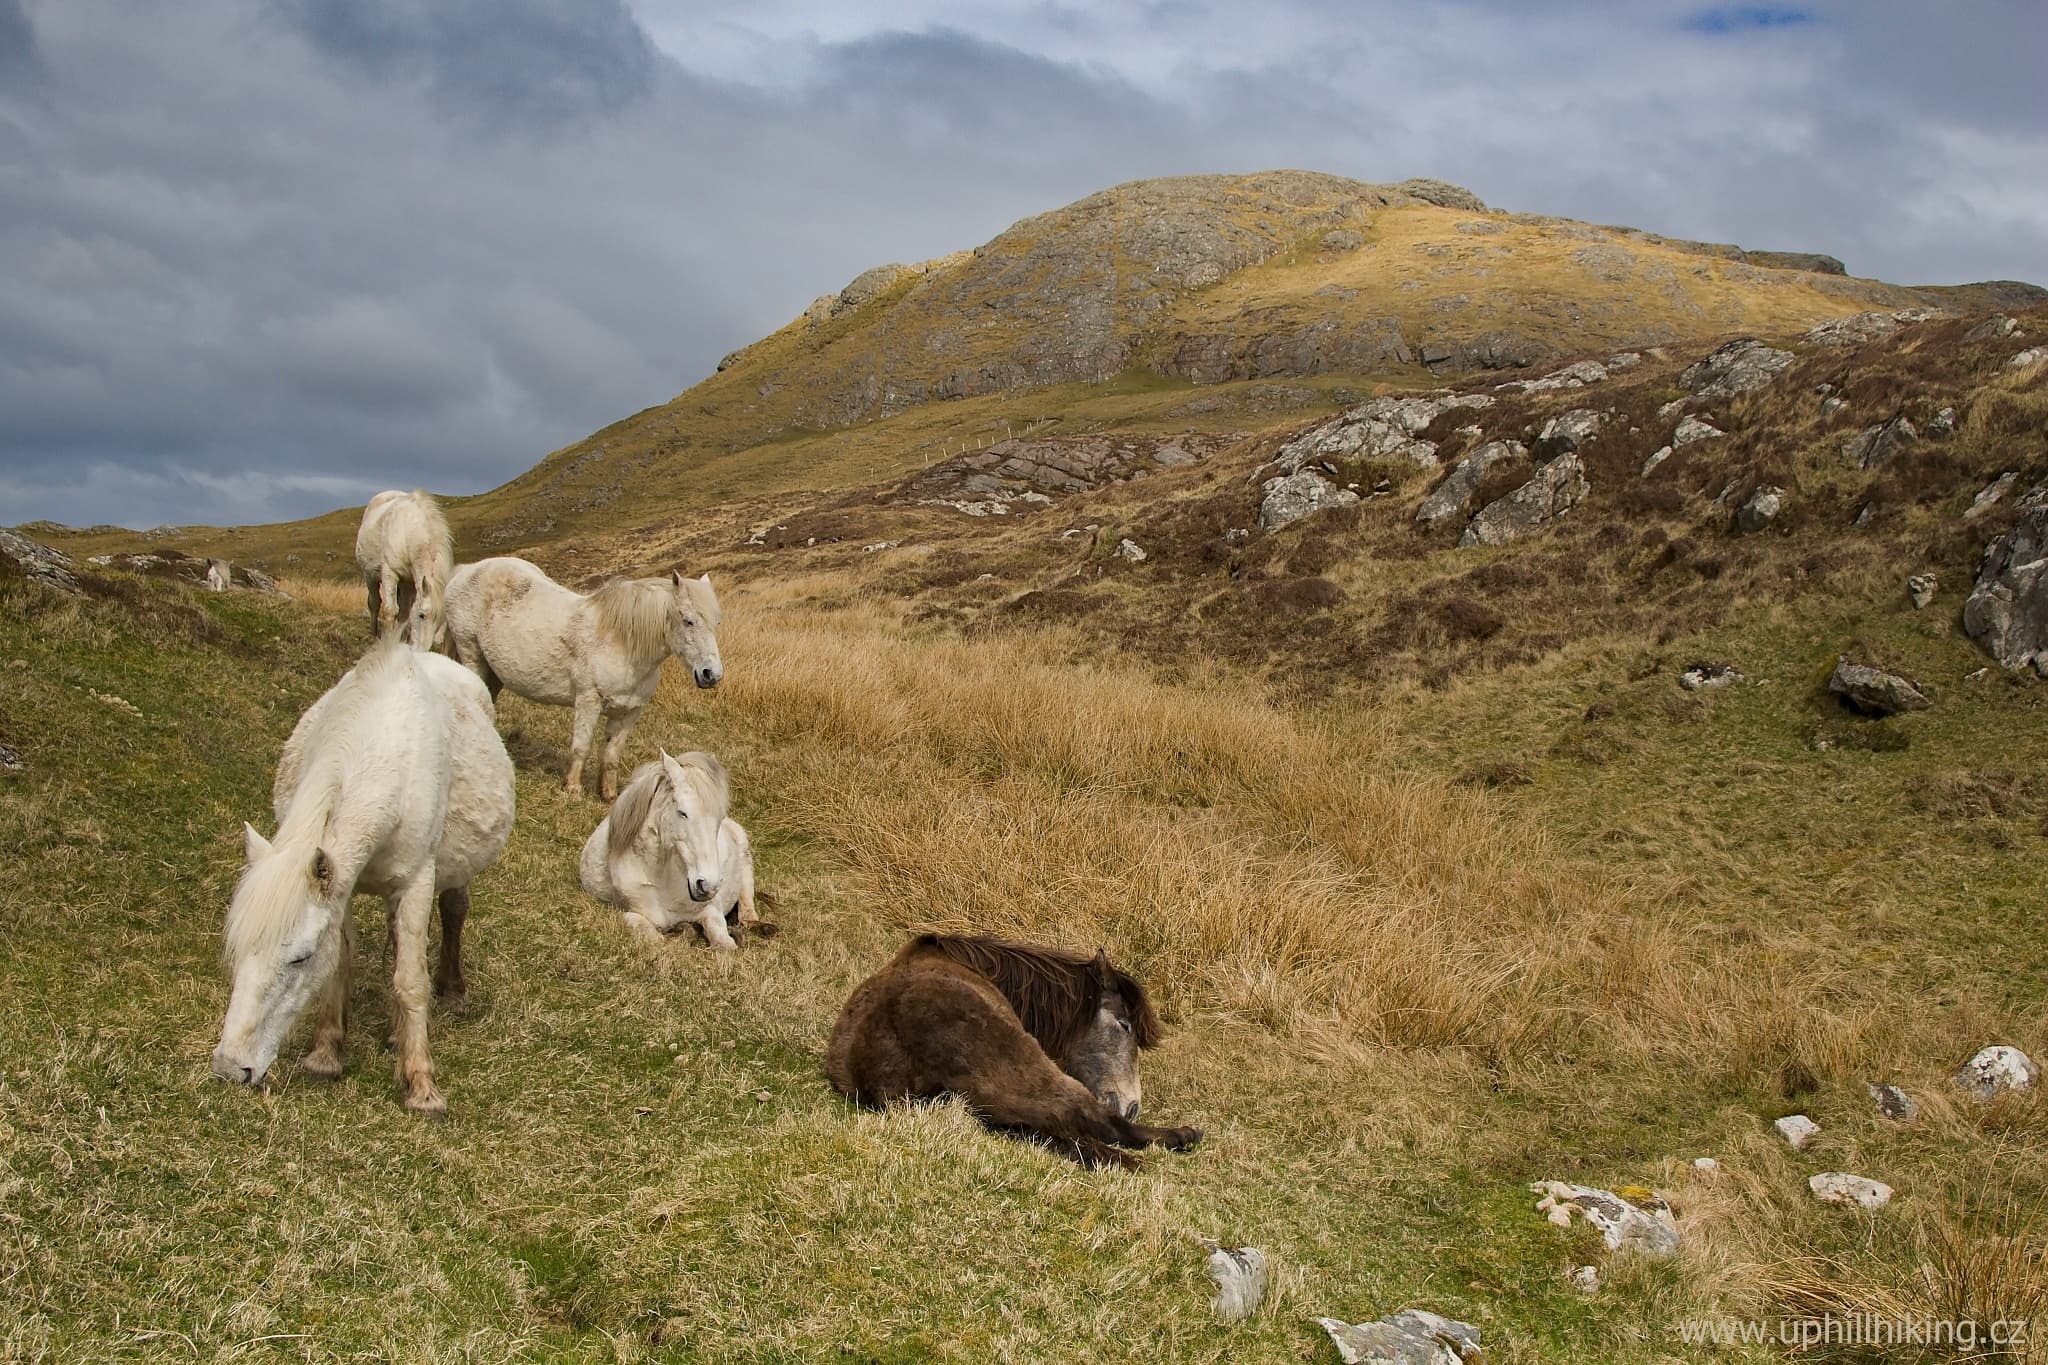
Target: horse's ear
323,870
254,845
1105,975
676,577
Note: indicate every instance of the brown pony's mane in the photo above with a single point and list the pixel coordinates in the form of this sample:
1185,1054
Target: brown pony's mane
1053,991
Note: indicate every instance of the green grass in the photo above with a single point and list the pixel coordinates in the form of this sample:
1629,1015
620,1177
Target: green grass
644,1160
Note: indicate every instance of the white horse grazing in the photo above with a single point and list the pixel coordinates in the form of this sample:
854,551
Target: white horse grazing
601,654
396,784
669,855
407,554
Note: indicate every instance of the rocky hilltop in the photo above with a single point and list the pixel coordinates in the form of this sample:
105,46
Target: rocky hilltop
1208,304
1200,280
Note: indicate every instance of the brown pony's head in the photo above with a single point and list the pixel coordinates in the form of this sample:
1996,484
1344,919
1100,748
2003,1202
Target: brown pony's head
1090,1017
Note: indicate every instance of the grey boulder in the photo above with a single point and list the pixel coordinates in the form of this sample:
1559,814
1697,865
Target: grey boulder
1873,691
1997,1069
2007,610
1876,445
1566,432
38,561
1412,1336
1449,498
1737,367
1295,496
1554,490
1759,510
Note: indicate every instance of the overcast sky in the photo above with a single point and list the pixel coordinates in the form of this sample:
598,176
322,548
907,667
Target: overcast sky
260,258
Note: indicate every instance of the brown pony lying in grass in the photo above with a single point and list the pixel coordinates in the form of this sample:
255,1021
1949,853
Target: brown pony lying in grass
1036,1040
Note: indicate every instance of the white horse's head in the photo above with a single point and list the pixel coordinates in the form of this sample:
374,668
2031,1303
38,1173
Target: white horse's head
693,629
693,804
284,935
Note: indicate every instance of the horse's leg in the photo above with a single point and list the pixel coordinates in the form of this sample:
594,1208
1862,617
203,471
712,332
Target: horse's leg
589,706
372,589
1139,1135
1052,1106
618,725
642,928
712,922
408,594
330,1029
387,601
449,987
409,998
957,1043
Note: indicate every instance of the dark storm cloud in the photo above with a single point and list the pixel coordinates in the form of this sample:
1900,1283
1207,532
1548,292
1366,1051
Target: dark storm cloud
266,259
527,61
17,40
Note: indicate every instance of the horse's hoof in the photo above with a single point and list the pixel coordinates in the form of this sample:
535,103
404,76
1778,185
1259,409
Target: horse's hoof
1180,1139
430,1105
454,1003
322,1065
764,928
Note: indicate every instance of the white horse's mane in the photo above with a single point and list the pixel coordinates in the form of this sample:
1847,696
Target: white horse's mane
629,813
634,612
273,890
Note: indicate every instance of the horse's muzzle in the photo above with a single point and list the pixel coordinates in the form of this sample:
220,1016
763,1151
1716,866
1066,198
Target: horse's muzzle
228,1069
708,677
700,890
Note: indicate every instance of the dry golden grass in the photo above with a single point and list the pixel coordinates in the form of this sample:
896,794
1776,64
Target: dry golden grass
325,594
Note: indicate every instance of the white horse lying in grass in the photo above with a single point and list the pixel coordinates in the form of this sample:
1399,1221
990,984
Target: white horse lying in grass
396,784
601,654
669,855
407,554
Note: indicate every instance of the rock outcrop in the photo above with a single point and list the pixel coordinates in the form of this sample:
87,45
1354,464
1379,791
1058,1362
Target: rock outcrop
1382,429
1759,510
1566,432
1240,1275
1554,490
1876,445
1409,1337
1996,1070
2007,610
37,561
1451,498
1873,691
1737,367
1288,498
1798,1130
1892,1102
1642,1225
1691,429
1839,1187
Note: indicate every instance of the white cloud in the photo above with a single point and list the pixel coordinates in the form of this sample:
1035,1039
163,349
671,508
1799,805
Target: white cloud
265,258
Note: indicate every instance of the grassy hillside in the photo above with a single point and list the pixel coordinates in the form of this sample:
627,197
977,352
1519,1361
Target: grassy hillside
1393,1000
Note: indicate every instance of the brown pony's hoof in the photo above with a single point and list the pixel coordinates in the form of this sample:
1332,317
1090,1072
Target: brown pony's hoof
760,928
453,1003
1179,1139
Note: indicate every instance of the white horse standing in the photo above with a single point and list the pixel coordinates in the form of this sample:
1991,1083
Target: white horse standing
601,654
396,784
407,555
669,855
